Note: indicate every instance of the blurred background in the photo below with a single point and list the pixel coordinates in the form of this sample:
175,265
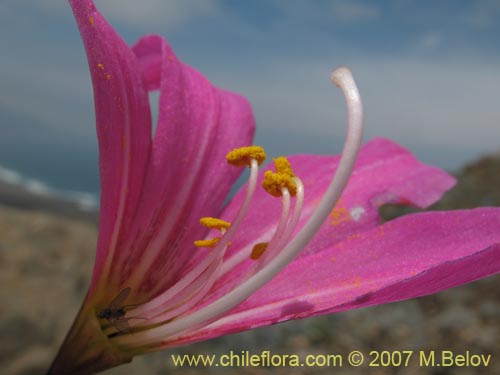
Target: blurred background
429,74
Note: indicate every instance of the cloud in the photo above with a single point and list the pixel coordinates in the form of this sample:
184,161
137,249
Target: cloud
51,85
354,12
447,106
331,13
144,15
428,42
158,13
438,103
482,13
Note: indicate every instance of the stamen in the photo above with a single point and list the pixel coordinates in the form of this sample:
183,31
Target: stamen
243,156
212,242
190,296
274,182
341,77
282,183
258,250
241,256
283,170
283,166
214,223
296,211
155,305
280,239
283,220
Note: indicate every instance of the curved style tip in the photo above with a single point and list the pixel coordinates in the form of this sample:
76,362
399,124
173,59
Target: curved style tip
340,75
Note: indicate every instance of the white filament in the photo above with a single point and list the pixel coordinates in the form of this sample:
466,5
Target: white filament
276,247
158,302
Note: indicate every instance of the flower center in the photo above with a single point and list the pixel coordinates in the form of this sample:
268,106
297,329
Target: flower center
282,183
182,309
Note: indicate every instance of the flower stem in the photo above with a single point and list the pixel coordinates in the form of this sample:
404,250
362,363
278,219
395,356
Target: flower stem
86,350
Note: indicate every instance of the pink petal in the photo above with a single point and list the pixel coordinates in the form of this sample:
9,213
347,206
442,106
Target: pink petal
409,257
385,172
189,177
123,126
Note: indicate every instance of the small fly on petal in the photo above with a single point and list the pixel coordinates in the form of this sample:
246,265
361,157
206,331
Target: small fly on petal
116,311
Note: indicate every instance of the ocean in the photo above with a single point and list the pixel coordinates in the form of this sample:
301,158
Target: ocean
85,200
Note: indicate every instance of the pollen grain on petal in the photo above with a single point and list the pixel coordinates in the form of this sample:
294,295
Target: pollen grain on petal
339,215
258,250
243,156
214,223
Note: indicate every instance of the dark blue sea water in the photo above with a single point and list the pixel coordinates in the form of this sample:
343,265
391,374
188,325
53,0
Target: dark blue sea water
44,159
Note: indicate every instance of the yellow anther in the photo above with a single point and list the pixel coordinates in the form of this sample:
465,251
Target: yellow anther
214,223
242,156
283,166
207,243
273,182
258,250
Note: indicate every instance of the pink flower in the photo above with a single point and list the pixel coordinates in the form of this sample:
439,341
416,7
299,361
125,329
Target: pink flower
288,258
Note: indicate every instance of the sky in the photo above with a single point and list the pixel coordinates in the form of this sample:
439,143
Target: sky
428,72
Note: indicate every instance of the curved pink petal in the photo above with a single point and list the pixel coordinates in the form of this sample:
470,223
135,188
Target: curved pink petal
405,258
189,178
385,172
123,123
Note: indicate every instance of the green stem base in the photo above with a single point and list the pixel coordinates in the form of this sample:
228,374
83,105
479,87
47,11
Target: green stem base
86,350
